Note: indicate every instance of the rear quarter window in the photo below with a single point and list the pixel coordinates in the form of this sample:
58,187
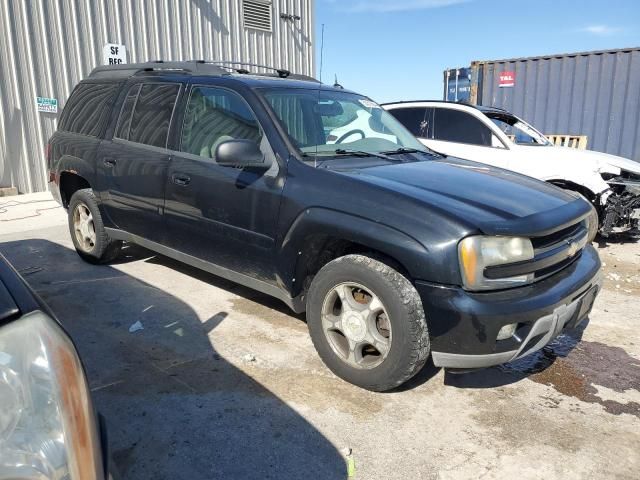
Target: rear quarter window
88,108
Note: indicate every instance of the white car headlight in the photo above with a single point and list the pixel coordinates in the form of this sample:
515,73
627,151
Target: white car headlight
47,423
479,252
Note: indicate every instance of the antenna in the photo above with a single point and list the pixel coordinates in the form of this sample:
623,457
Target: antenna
321,50
315,158
336,84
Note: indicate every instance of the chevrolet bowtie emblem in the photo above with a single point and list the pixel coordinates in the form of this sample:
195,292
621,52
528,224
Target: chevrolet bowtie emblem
573,249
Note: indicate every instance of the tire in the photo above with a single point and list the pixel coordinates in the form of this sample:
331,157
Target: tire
397,312
89,236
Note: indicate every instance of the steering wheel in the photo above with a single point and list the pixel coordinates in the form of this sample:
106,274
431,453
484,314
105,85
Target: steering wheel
349,133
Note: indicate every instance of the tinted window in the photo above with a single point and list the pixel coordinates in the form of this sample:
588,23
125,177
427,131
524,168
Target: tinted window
415,119
88,108
214,116
124,121
456,126
152,114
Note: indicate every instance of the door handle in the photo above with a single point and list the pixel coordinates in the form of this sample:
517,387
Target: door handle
109,162
181,179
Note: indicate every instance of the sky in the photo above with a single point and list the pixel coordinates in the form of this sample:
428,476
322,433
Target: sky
397,49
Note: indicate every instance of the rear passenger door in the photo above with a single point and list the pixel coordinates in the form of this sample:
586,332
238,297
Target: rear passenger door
132,167
222,215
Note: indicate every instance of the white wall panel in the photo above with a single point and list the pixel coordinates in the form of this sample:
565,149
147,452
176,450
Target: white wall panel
47,46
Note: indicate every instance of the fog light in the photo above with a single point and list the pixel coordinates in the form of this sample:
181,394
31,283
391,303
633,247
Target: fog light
507,331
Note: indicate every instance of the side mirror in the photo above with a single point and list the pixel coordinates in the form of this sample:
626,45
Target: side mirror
240,154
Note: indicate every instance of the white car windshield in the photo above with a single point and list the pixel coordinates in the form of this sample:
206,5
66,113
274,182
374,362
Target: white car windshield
517,130
329,122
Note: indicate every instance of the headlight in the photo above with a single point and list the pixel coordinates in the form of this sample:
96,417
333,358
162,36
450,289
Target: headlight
477,253
592,224
47,423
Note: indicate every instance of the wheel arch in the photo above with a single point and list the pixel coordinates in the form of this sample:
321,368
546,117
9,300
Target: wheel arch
320,235
70,183
575,187
74,173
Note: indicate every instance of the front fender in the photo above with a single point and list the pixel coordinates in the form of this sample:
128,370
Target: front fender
316,221
592,181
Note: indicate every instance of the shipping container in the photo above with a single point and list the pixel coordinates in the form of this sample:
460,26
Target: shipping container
593,94
47,46
457,84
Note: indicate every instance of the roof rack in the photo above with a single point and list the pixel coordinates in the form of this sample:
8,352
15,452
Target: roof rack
196,67
281,72
131,69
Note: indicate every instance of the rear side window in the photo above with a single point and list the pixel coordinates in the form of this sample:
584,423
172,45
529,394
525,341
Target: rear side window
416,119
460,127
151,115
124,122
88,108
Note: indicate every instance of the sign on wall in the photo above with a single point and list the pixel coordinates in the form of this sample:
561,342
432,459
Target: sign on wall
114,54
47,105
507,79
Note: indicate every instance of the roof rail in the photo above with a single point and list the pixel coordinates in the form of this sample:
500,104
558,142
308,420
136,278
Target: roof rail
281,72
131,69
196,67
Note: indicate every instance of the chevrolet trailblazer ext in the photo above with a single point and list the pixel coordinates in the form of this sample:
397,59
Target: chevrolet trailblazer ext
394,252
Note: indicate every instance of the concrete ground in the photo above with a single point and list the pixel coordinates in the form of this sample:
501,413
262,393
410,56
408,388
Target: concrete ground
223,382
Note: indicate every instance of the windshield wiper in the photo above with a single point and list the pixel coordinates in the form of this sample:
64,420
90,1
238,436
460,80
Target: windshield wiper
412,150
403,150
362,153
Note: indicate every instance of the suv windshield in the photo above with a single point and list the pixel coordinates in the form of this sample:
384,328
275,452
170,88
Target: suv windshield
331,123
518,131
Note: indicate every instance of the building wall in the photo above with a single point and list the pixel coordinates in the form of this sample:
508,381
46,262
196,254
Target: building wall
47,46
592,93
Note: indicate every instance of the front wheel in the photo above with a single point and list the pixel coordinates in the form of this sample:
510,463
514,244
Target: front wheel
367,322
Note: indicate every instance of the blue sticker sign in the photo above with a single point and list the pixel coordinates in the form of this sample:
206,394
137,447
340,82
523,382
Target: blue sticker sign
47,105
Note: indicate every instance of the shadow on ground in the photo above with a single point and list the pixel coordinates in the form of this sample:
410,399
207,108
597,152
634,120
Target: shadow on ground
175,408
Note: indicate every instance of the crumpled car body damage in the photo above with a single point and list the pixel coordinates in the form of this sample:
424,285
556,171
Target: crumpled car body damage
620,211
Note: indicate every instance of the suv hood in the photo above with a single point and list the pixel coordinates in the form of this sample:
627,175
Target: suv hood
496,201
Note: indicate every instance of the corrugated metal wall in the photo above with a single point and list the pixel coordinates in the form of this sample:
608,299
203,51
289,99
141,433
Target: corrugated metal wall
47,46
594,93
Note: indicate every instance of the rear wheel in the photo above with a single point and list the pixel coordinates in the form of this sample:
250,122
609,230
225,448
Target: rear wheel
87,230
367,323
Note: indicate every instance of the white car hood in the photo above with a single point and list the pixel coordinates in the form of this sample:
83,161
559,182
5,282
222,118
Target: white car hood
601,162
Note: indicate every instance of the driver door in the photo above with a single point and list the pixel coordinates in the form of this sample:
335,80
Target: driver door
222,215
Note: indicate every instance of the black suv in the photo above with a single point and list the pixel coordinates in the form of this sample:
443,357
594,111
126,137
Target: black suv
317,196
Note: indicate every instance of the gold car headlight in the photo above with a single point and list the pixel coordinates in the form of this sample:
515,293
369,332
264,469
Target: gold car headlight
479,252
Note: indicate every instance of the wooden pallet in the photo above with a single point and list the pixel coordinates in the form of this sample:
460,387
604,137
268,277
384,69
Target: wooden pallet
571,141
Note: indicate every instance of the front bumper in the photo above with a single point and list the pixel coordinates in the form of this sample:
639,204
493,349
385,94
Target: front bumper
464,326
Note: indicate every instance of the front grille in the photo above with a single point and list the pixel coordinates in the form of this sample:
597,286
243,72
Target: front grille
552,253
556,237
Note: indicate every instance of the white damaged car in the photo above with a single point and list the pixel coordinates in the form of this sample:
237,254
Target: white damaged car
497,137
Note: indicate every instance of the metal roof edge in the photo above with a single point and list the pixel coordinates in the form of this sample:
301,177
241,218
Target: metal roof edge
557,55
